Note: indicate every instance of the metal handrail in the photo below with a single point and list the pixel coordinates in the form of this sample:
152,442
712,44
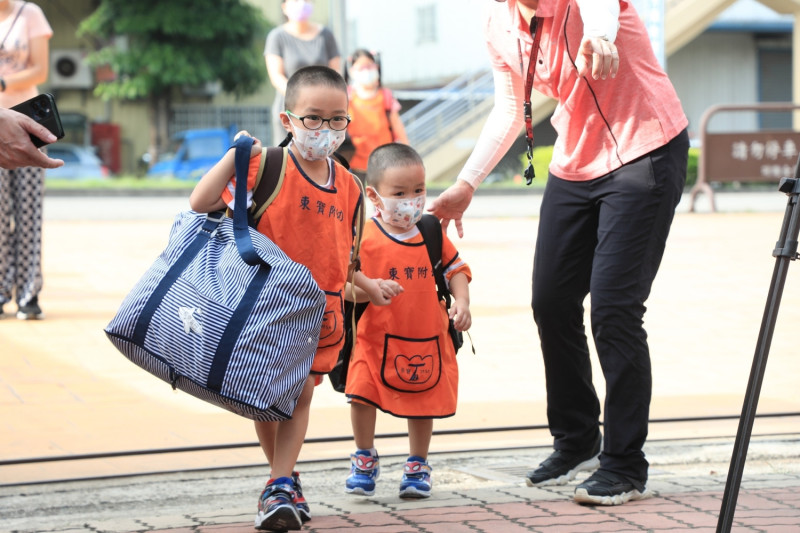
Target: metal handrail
444,111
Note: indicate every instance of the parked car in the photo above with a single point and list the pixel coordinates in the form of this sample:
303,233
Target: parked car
192,153
80,162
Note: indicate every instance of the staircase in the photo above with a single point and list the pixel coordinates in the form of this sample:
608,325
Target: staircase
445,125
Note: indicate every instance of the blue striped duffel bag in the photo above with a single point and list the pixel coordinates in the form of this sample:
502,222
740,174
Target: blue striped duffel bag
224,315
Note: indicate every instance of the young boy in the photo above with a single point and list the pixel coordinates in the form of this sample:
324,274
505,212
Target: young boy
312,220
404,361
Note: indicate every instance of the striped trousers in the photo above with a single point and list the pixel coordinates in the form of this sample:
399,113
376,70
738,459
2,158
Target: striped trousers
21,194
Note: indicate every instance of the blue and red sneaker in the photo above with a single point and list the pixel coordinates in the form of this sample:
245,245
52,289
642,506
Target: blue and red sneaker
416,482
299,501
276,512
365,469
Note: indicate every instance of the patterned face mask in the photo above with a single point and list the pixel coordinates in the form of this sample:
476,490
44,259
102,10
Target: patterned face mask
315,145
403,213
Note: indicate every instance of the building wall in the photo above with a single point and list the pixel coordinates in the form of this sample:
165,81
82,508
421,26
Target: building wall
422,43
716,68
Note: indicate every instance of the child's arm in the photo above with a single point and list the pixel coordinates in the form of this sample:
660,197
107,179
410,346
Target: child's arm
360,295
377,291
207,194
459,311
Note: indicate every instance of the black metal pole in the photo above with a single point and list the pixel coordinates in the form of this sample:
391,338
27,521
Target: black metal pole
785,251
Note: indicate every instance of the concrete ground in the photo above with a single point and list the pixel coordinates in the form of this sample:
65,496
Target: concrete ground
66,392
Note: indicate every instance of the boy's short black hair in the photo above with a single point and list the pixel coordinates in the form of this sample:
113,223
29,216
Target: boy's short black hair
389,156
313,75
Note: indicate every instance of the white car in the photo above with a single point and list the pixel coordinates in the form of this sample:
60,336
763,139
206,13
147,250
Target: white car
80,162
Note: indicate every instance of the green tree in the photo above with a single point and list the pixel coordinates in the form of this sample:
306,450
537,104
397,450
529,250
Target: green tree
155,47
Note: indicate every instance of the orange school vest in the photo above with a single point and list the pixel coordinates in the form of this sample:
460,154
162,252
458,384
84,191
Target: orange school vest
369,127
314,226
404,362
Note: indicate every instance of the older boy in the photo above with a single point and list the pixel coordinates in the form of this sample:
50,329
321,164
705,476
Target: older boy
312,219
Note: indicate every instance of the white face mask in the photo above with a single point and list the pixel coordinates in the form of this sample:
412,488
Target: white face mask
315,145
403,213
364,76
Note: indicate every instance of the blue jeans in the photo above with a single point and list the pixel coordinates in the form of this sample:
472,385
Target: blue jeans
604,238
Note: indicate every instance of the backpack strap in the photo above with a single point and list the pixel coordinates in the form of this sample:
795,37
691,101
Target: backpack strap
269,180
431,230
361,218
388,101
352,310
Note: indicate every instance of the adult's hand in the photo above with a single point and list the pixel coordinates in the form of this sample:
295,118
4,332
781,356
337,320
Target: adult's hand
16,147
451,204
598,56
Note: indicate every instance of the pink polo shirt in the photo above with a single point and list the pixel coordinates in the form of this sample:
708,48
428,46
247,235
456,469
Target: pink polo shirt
601,124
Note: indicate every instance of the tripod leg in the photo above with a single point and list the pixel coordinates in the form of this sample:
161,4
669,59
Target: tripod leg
785,250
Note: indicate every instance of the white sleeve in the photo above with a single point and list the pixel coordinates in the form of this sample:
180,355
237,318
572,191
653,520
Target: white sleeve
600,18
501,129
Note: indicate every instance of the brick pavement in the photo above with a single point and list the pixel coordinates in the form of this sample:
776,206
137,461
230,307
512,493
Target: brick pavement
767,503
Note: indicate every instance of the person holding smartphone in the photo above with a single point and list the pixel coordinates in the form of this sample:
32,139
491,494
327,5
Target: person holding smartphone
24,60
17,148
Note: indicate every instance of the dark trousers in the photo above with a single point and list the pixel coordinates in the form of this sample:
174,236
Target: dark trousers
604,238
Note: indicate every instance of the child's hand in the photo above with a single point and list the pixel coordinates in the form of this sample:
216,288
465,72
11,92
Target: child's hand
389,288
256,149
462,318
381,291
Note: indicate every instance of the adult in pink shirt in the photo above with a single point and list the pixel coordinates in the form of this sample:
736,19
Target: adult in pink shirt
617,173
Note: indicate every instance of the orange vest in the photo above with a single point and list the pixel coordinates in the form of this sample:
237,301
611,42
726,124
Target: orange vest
370,126
404,362
314,226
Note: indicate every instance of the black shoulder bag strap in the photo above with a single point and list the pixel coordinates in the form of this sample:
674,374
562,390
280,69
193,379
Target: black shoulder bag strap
431,230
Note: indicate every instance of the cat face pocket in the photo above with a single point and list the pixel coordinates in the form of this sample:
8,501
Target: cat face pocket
332,329
411,365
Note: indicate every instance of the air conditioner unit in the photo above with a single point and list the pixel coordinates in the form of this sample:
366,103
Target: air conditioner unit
69,70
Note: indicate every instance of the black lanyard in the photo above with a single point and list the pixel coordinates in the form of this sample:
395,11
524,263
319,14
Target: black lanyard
537,35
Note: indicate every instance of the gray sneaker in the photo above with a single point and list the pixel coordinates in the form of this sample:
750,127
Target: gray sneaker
609,488
31,310
562,466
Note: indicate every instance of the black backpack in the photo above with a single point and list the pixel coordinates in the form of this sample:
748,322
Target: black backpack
431,230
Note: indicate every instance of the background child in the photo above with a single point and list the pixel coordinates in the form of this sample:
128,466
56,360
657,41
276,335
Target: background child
312,220
375,112
404,362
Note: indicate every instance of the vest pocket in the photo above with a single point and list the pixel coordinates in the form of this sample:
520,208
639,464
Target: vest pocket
411,365
332,330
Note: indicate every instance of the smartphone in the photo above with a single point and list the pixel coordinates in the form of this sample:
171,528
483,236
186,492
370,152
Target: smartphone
42,108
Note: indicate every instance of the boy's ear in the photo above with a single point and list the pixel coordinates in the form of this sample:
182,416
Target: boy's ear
285,122
372,194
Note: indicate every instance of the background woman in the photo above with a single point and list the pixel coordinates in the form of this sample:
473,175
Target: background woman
374,111
24,62
293,45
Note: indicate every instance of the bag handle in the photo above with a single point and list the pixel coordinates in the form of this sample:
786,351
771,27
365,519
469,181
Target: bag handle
241,227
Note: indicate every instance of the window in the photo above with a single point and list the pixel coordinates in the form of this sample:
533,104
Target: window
426,24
